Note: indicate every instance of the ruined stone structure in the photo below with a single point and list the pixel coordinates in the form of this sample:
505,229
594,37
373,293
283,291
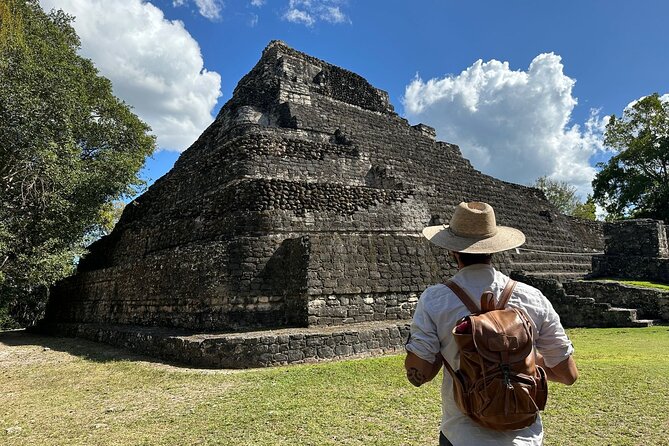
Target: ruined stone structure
595,304
650,304
635,249
298,210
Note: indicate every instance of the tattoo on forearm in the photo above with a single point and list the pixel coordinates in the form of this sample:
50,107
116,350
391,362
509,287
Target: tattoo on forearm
415,377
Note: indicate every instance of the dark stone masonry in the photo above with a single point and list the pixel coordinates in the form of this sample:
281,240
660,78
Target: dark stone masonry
300,208
635,249
649,303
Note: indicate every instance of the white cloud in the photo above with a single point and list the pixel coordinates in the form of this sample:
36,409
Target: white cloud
513,125
308,12
333,14
210,9
257,3
253,21
299,16
155,65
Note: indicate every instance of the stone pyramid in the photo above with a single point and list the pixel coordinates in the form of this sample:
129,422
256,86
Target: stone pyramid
299,210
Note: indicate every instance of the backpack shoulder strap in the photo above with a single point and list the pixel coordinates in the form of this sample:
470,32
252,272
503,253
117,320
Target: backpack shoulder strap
463,296
506,293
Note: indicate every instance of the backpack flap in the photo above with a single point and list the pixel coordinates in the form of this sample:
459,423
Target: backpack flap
502,335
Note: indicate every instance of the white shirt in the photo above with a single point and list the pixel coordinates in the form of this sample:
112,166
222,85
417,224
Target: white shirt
437,311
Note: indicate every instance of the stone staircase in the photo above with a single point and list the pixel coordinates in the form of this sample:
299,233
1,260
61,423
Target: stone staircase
612,316
652,305
552,262
582,311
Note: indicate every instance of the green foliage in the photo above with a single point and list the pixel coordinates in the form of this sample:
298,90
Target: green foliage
563,196
560,194
68,148
587,210
110,214
635,182
11,25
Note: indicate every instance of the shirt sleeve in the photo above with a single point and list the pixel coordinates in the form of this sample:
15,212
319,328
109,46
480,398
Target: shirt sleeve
423,341
552,341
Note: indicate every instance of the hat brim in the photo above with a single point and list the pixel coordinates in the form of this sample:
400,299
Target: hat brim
505,238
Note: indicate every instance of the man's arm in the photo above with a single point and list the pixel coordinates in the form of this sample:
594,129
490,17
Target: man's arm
420,371
565,372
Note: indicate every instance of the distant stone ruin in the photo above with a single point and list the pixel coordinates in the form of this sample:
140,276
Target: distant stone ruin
635,249
290,230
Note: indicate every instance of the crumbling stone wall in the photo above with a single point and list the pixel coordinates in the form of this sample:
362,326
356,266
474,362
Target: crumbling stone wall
241,283
635,249
580,310
649,303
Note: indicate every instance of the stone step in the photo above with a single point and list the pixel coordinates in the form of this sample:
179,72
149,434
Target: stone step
584,300
551,266
247,349
548,247
559,276
647,322
631,311
651,304
629,317
549,238
525,256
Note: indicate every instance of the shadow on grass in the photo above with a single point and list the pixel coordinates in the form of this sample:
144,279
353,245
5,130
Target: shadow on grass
82,348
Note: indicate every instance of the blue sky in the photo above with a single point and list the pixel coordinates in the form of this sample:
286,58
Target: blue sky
548,73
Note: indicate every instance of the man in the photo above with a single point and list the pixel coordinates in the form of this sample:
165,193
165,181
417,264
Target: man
471,238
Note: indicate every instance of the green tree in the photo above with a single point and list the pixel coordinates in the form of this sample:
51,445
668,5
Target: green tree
563,196
68,148
110,214
635,181
586,210
560,194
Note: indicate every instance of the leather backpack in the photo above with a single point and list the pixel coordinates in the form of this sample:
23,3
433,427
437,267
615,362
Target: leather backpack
498,384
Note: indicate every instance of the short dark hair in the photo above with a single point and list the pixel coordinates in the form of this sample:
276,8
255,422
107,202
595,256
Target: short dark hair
472,259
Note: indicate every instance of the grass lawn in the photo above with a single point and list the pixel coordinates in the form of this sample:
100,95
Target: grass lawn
639,283
56,391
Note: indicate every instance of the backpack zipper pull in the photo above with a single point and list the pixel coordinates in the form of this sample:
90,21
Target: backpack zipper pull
506,374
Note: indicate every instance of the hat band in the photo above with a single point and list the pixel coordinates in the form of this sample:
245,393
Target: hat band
474,236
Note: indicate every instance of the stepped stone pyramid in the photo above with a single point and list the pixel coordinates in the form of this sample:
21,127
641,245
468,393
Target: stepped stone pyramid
290,230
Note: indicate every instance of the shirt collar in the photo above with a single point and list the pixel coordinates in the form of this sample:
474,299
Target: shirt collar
477,274
475,267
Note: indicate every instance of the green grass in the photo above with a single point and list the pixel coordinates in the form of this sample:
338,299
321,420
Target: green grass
81,393
639,283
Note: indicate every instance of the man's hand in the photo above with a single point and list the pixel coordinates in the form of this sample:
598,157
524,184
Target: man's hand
565,372
419,371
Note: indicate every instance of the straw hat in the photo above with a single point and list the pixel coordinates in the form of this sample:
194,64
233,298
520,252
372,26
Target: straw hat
473,230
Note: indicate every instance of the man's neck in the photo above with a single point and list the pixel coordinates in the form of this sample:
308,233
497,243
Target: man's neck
461,265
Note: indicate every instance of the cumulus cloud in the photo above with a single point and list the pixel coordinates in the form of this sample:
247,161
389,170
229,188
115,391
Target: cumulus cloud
257,3
513,125
308,12
155,65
